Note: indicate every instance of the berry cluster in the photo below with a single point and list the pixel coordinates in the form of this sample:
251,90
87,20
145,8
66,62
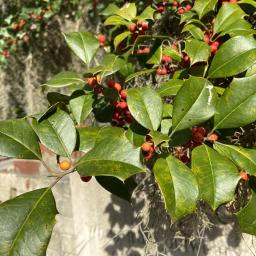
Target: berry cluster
94,82
102,39
148,148
165,67
182,9
139,28
144,50
121,114
214,45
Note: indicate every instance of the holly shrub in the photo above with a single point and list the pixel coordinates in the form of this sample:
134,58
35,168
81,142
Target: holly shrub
22,23
174,85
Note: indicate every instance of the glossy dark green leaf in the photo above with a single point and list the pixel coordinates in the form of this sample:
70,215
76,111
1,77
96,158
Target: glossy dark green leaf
177,185
155,57
81,105
194,30
57,133
26,223
83,44
111,156
128,11
116,21
244,158
115,186
146,107
230,20
167,110
63,79
17,139
87,138
237,106
166,125
197,51
247,216
251,70
216,175
139,73
136,134
239,49
202,7
194,103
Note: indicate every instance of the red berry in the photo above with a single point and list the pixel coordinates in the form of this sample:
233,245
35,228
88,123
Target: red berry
214,48
206,38
6,53
213,137
132,27
98,89
161,71
114,103
160,8
86,178
188,7
244,176
216,43
140,51
146,146
181,11
122,105
144,26
102,38
102,44
92,81
116,115
175,3
186,58
198,137
166,59
184,159
146,50
123,94
139,23
233,1
111,83
201,130
117,87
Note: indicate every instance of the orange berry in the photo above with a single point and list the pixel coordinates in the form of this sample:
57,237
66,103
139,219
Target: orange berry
91,81
122,105
65,165
146,146
244,176
123,94
213,137
132,28
117,87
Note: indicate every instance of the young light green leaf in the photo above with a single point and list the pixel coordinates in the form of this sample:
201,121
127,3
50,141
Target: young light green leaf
83,44
194,30
81,105
230,20
110,10
18,140
147,14
57,133
237,105
63,79
112,156
128,11
216,175
197,51
244,158
116,21
118,39
239,49
170,87
177,185
26,223
146,107
202,7
247,216
194,103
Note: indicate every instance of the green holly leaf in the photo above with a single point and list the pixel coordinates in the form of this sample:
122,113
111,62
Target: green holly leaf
155,57
238,98
112,156
216,175
136,134
110,10
83,44
202,7
197,51
158,137
121,37
64,79
57,133
247,216
128,11
251,2
177,185
87,138
146,107
117,187
244,158
194,30
26,223
239,49
147,14
116,21
194,103
230,20
169,51
18,140
251,70
81,105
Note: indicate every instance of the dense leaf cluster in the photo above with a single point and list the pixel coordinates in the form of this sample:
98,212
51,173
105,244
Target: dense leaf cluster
177,79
